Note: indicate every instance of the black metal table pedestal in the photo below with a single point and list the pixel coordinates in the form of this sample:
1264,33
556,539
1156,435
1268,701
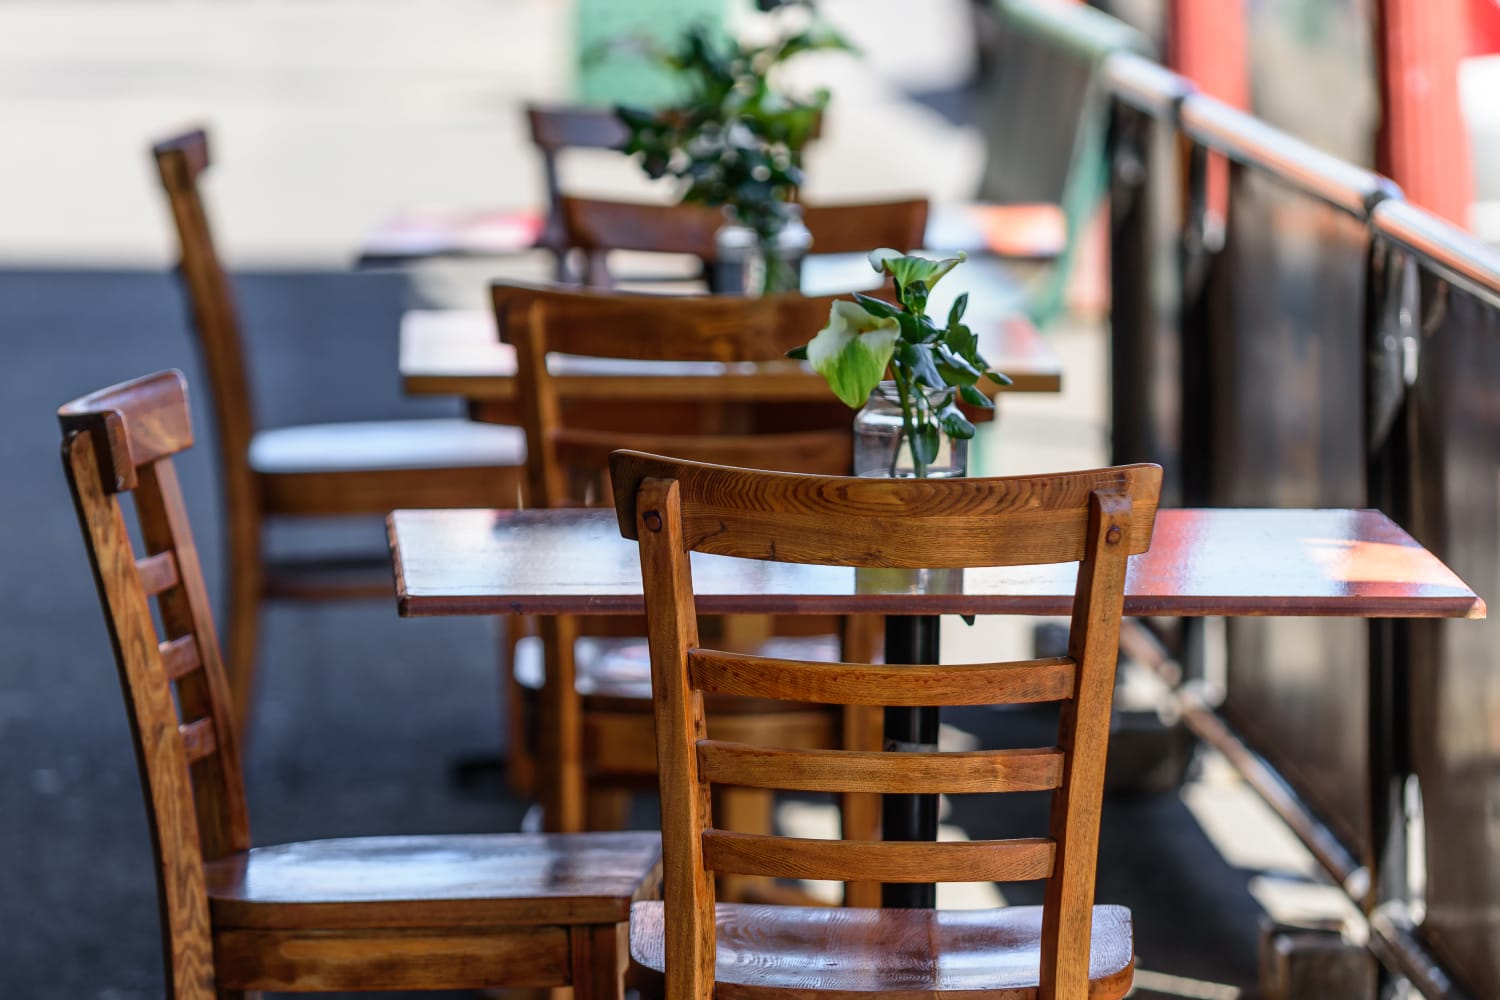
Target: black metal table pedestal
910,639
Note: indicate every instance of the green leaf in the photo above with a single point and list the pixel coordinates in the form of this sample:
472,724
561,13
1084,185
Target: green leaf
906,268
956,313
798,353
974,397
912,330
963,342
914,297
918,362
877,307
955,424
999,378
954,368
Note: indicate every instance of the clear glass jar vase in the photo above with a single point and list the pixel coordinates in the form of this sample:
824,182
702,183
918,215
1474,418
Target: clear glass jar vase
742,266
881,448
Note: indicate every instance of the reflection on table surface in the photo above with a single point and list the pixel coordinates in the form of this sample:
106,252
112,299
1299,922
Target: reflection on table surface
1346,563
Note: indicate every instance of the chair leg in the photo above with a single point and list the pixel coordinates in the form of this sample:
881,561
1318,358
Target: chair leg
247,581
560,776
520,712
607,808
600,954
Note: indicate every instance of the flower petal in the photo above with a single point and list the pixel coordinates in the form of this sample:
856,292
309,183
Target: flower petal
852,351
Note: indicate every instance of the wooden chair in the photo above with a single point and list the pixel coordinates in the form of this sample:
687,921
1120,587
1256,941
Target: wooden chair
324,469
555,128
1067,948
369,913
594,726
597,226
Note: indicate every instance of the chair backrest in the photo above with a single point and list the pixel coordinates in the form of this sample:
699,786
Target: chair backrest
117,441
556,128
597,226
1097,517
725,330
181,160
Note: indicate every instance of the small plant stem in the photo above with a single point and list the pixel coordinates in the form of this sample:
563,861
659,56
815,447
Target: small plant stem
908,431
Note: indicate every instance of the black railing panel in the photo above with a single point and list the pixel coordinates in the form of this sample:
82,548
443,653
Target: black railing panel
1274,387
1449,442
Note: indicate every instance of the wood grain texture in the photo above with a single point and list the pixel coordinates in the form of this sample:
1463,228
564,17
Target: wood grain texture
134,424
1020,860
179,656
1354,563
479,880
786,953
598,226
476,958
181,896
400,913
458,353
885,684
930,523
675,508
158,572
1083,734
880,771
566,464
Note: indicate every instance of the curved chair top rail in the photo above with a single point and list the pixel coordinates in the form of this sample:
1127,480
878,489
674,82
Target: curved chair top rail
1250,141
133,424
1146,85
784,516
1441,247
558,126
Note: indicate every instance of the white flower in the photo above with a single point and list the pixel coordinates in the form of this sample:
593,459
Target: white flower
853,350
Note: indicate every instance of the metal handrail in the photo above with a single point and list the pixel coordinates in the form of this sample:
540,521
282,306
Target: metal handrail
1146,85
1248,140
1442,248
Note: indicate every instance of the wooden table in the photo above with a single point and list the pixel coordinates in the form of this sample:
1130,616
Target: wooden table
1355,563
1030,231
1339,563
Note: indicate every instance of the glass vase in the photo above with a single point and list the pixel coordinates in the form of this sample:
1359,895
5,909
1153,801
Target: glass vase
743,266
881,448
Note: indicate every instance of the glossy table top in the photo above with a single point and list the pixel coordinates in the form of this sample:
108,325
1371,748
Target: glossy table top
458,353
1351,563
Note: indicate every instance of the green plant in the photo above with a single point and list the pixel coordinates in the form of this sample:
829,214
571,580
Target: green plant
735,139
932,366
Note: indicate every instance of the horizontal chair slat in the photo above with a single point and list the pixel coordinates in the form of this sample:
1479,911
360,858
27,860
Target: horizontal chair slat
1021,860
158,572
179,657
913,686
199,739
885,773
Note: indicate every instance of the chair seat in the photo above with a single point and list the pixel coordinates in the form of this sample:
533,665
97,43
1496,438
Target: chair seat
479,880
856,952
386,444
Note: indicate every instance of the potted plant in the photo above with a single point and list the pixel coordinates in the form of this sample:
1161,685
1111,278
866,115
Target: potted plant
905,371
736,141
